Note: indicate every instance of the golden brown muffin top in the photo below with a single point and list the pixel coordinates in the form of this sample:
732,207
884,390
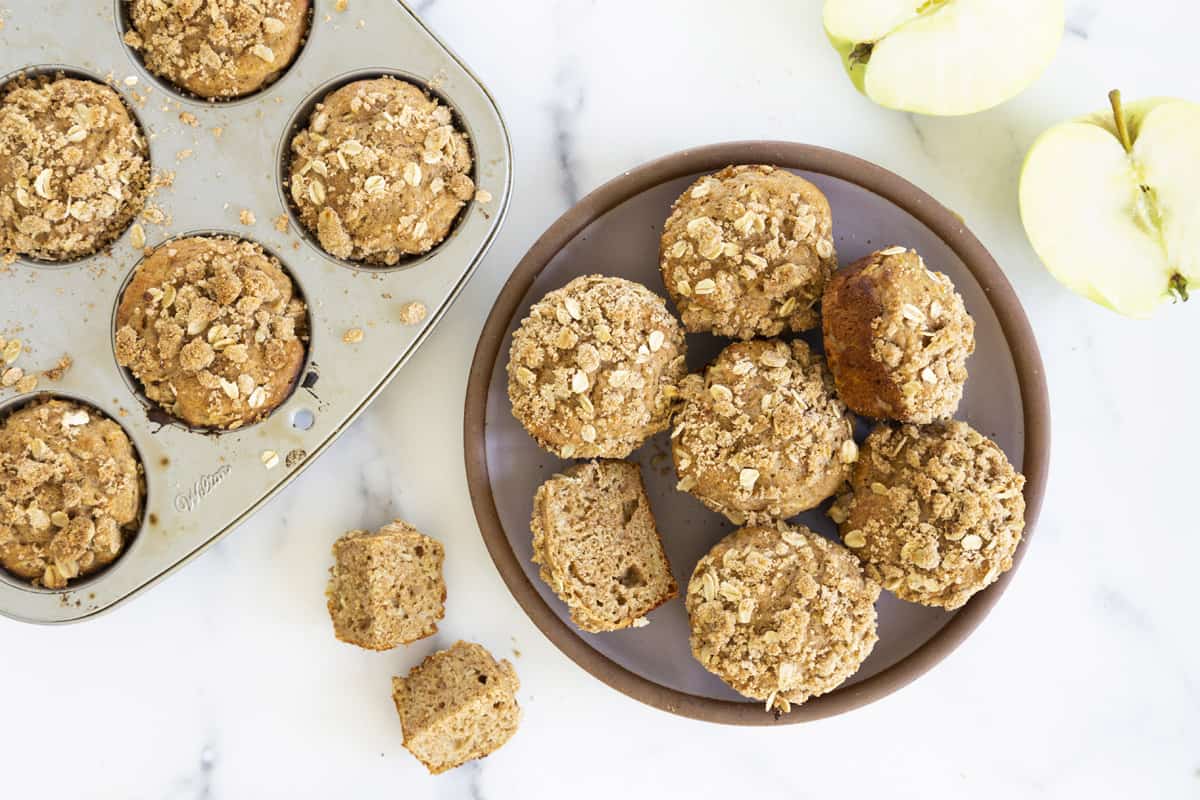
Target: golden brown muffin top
935,513
70,492
74,168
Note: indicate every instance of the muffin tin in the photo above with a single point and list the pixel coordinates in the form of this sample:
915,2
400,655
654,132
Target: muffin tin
200,485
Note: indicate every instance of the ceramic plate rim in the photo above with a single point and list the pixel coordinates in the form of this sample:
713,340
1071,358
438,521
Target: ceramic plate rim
947,226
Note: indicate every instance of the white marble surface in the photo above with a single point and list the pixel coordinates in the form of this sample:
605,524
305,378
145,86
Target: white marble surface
225,681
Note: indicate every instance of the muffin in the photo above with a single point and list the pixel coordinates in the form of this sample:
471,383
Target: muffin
760,435
212,330
386,588
746,252
381,172
218,48
74,168
935,513
781,614
71,495
456,706
897,337
594,367
598,546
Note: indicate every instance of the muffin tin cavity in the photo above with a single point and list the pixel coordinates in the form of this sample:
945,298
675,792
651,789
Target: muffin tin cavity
216,172
57,521
300,121
45,74
216,338
123,18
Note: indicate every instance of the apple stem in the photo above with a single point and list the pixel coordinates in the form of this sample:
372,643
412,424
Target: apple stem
1179,287
1114,98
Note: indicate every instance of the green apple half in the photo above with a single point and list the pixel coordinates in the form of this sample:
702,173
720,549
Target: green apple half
1111,203
944,57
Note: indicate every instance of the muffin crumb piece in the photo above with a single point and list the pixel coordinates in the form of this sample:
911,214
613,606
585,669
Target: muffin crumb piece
457,705
386,588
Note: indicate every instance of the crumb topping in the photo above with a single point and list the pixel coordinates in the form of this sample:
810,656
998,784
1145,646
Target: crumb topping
593,369
70,492
747,252
935,513
781,614
74,168
761,435
380,172
213,331
218,48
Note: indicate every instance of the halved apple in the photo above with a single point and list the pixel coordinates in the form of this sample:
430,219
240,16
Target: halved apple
1111,203
944,57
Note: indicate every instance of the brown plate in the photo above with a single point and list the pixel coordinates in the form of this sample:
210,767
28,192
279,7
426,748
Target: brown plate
615,230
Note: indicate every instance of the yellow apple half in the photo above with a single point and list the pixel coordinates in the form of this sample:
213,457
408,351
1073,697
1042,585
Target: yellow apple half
944,57
1115,215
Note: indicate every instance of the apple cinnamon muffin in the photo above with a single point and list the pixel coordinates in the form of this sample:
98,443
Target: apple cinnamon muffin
761,435
71,493
746,252
456,706
598,546
218,48
781,614
381,172
934,513
593,368
74,168
386,588
213,330
897,337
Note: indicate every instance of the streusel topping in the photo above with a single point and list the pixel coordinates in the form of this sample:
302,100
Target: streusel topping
218,48
213,330
74,168
70,492
746,252
781,614
935,513
594,368
381,172
761,435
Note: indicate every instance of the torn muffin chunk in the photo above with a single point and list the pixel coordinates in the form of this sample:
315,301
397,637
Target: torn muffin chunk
456,706
599,549
386,588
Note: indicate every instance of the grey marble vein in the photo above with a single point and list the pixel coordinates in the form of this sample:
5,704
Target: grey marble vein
1080,19
568,103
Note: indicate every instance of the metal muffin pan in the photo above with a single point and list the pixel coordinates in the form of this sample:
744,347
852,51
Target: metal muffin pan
199,486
